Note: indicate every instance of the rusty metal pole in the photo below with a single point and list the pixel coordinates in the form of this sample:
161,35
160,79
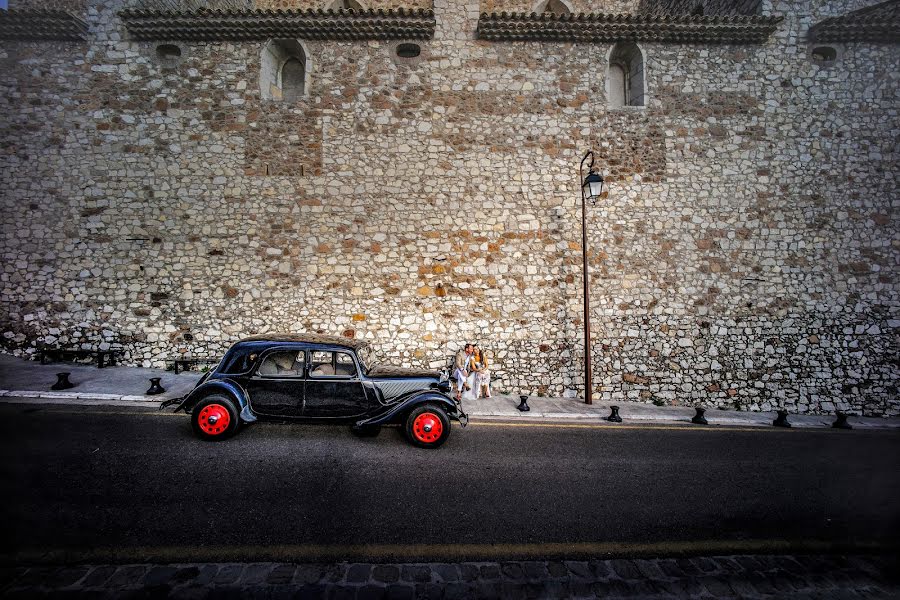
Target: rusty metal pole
588,388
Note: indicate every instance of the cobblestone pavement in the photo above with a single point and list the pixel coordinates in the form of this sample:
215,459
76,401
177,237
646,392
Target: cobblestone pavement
708,577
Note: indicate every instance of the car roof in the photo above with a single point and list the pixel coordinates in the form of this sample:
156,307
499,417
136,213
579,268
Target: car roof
307,338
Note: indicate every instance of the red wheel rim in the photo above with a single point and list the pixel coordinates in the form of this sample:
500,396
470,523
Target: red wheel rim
214,419
428,428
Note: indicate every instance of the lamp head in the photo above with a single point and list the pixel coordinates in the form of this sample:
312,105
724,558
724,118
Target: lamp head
592,186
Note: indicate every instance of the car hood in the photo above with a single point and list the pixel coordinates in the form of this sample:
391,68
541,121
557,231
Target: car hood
379,371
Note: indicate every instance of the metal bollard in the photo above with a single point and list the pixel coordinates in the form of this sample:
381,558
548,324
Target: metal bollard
841,422
523,406
614,415
62,382
781,419
155,388
699,419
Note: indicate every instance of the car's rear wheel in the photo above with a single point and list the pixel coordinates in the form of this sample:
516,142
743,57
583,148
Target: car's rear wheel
427,426
215,418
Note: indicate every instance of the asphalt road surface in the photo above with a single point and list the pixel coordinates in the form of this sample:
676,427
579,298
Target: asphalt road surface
123,485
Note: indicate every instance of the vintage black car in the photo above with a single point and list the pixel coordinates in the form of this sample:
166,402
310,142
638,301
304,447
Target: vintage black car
321,379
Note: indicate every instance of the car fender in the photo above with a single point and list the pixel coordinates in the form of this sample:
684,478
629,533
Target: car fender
396,413
221,386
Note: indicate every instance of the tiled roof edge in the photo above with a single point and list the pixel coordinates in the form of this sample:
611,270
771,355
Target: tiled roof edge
58,25
599,27
876,23
213,25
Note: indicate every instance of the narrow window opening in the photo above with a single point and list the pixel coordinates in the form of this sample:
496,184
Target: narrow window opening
292,76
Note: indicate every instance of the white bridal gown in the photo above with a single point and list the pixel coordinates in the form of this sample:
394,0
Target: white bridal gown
471,394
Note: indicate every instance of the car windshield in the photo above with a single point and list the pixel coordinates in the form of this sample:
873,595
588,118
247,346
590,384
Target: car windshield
237,361
366,357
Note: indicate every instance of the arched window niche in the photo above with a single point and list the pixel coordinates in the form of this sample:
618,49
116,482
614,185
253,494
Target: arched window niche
284,71
625,79
556,7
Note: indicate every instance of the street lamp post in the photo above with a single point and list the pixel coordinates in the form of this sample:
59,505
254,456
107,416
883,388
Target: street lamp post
591,189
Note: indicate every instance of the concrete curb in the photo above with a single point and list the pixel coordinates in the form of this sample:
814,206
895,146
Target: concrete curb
538,415
824,423
72,397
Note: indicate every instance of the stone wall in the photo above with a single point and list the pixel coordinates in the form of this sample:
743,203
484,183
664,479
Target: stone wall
746,255
76,6
326,4
80,5
575,6
703,7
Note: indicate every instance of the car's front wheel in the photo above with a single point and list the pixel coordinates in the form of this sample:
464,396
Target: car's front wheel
427,426
215,418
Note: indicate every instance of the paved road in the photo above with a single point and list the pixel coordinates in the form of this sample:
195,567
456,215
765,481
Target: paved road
128,486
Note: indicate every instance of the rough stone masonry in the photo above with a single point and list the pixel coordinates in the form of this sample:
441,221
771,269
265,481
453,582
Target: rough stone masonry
746,255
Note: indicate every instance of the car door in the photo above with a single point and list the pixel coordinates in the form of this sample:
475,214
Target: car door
276,387
333,387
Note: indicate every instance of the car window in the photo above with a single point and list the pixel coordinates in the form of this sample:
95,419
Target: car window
332,364
238,362
287,363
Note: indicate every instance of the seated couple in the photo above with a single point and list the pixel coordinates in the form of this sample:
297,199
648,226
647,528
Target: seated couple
471,373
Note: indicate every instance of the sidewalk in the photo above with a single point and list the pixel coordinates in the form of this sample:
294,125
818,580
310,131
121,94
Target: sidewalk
112,386
574,409
126,386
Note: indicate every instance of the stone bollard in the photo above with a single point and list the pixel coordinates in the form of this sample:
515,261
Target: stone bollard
614,415
699,419
155,388
62,382
841,421
523,406
781,419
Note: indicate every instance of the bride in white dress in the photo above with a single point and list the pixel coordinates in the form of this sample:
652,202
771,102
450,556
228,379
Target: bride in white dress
472,380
